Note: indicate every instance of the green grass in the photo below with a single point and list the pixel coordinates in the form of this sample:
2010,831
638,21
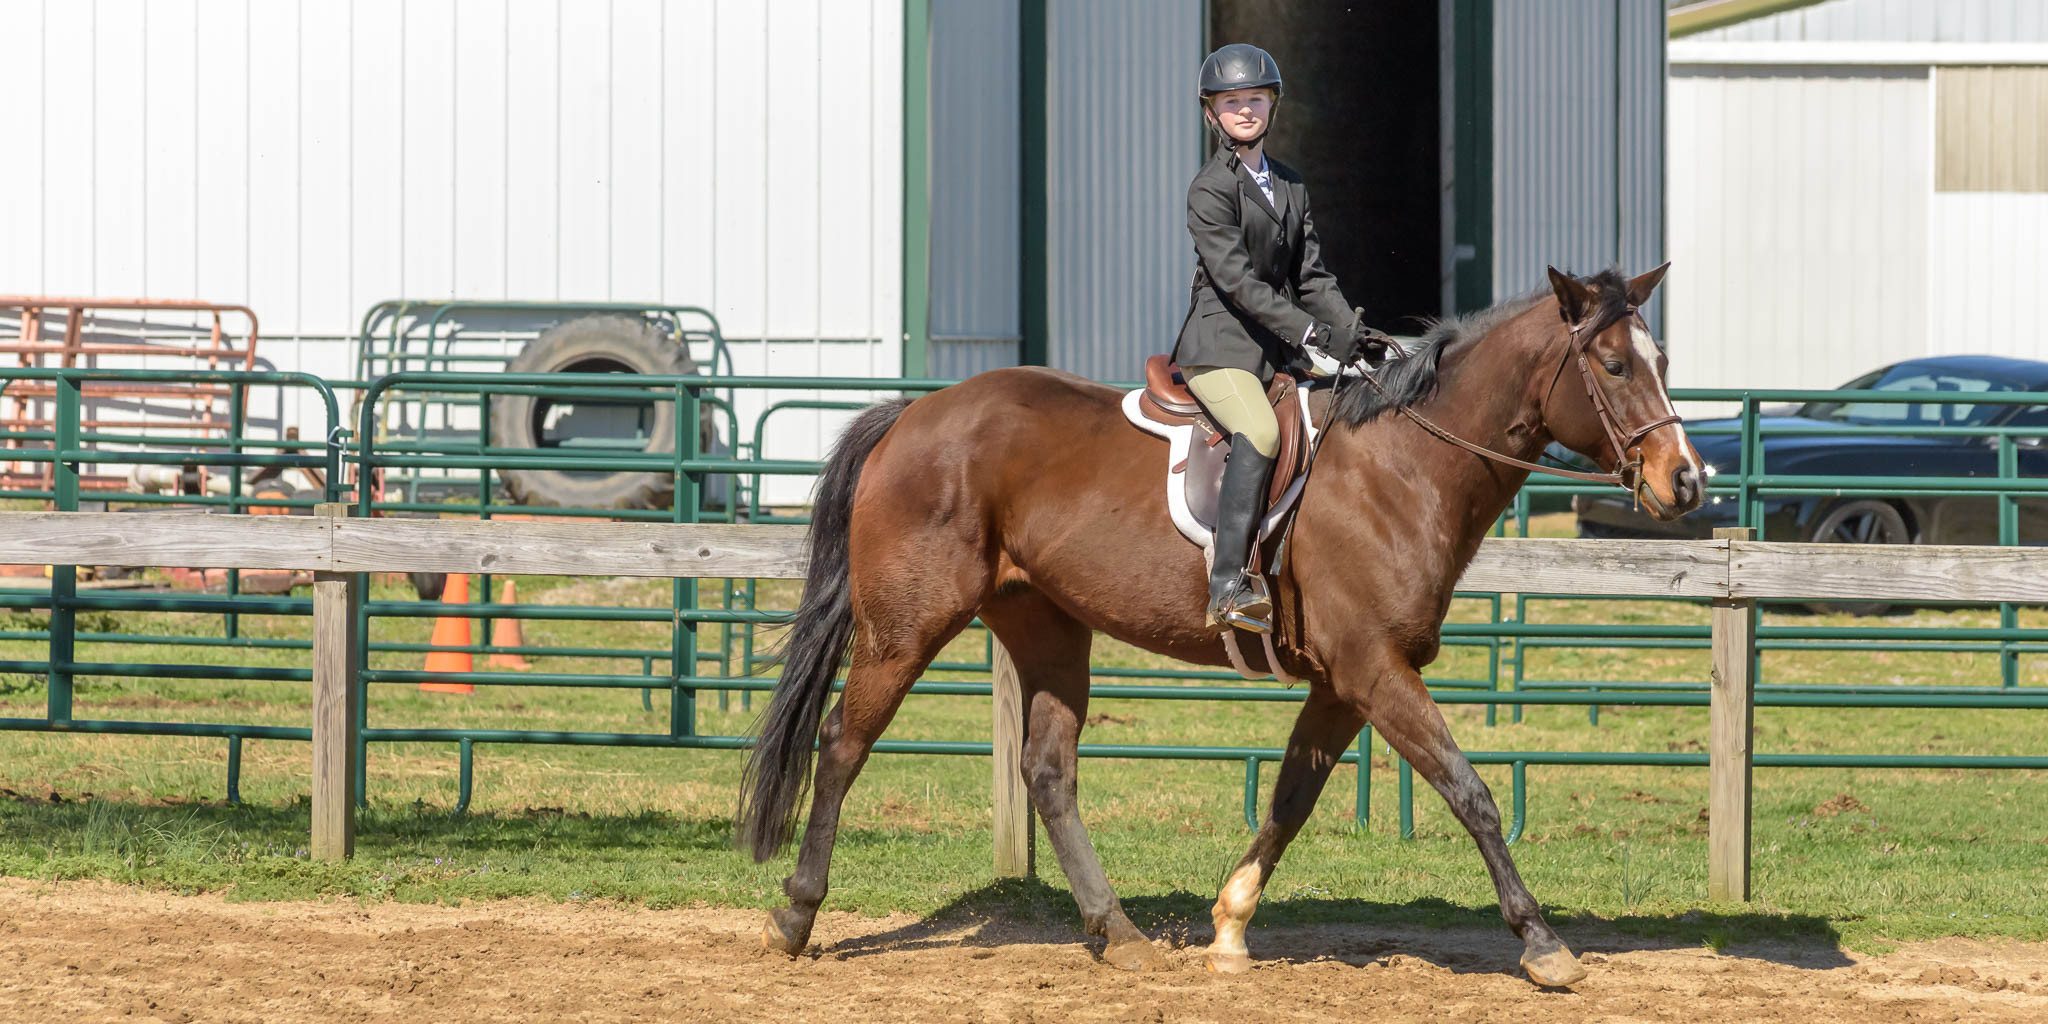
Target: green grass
1907,854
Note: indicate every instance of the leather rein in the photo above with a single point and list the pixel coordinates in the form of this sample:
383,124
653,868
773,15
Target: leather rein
1628,474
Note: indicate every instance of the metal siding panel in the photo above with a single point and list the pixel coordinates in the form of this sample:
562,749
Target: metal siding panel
1988,244
67,184
1695,281
795,165
965,357
533,139
1988,129
21,217
427,109
1642,153
273,117
633,195
975,219
1116,235
849,209
324,162
739,155
690,87
1803,194
584,82
481,59
1895,21
169,131
221,251
118,154
885,250
1560,144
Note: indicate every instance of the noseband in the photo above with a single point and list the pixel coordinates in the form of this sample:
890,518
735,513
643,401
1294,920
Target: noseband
1628,473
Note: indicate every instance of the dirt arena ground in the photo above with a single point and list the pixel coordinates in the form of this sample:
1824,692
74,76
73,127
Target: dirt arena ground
79,952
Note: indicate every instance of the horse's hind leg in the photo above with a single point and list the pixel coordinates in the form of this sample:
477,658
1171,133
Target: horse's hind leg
1324,728
886,661
1408,719
1050,650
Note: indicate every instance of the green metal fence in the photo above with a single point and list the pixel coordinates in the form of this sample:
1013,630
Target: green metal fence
712,648
68,447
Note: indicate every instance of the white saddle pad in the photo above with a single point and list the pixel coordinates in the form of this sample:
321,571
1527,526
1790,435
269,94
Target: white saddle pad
1193,508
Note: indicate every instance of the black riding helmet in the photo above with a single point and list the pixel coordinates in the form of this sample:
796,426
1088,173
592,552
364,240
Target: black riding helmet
1237,66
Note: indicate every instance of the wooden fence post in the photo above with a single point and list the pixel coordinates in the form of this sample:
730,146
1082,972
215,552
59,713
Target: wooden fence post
336,599
1013,830
1731,730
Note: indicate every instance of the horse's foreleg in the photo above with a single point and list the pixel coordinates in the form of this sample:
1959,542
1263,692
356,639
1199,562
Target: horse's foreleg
1324,728
1409,720
1051,653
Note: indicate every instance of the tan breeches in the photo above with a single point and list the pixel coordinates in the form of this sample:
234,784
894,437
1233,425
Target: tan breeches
1238,402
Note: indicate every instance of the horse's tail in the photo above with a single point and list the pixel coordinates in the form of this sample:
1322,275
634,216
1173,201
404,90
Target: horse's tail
778,771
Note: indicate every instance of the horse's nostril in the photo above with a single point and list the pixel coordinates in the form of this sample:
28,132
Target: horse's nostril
1685,485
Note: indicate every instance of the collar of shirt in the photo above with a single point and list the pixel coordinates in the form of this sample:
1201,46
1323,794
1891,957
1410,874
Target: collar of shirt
1263,177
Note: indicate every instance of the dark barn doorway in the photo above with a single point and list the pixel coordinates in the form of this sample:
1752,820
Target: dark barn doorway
1360,120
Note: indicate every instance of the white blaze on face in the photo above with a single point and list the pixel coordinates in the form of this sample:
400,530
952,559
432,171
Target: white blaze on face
1646,350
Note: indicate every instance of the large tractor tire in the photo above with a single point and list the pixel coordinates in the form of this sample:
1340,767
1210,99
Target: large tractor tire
594,344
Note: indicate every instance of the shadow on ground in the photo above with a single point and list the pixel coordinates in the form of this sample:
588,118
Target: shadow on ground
1354,931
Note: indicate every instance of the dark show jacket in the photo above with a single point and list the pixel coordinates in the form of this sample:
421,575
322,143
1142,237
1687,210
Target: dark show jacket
1259,279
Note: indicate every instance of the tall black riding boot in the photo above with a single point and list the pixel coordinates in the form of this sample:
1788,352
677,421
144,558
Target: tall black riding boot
1238,507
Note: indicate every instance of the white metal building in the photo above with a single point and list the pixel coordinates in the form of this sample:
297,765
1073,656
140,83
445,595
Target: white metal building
1855,182
844,203
312,158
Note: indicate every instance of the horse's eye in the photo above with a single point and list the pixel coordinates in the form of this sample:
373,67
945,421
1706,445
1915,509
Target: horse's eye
1615,367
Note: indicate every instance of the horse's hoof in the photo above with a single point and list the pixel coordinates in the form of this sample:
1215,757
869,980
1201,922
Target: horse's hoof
1134,955
1228,963
1555,969
775,939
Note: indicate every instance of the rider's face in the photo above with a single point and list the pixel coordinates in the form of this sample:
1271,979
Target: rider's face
1243,113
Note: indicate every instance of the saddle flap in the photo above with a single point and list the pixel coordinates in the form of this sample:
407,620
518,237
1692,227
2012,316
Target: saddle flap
1292,457
1196,450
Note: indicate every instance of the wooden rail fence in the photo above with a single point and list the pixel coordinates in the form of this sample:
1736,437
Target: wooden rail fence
1731,571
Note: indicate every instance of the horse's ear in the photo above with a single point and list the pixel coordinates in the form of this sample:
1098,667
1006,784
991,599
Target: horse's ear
1573,298
1639,288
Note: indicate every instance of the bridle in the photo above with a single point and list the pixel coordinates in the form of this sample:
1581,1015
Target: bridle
1628,473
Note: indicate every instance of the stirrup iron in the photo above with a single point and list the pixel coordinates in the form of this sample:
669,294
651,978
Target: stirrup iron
1251,608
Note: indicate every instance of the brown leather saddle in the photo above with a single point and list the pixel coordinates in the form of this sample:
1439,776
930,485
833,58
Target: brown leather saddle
1166,400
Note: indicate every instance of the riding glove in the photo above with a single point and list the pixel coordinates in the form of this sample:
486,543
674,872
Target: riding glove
1341,343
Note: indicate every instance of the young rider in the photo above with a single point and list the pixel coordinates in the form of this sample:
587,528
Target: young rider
1260,294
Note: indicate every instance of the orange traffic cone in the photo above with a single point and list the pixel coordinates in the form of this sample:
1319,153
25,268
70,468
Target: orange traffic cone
508,633
451,631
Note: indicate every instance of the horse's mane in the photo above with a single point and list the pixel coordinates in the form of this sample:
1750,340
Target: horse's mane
1413,379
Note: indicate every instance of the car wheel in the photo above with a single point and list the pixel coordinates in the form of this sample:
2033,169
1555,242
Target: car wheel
1865,521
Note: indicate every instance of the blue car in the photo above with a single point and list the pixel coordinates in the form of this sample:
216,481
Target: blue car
1902,518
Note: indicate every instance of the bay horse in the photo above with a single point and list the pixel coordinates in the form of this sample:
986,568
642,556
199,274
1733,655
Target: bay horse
1022,495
